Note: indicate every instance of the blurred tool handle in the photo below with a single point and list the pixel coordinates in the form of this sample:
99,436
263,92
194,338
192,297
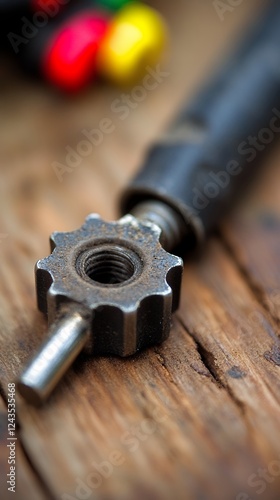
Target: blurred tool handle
204,160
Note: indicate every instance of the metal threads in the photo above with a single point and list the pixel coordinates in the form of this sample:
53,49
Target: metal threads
109,264
173,228
112,266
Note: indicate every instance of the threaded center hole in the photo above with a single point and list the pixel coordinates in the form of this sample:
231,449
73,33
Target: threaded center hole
109,266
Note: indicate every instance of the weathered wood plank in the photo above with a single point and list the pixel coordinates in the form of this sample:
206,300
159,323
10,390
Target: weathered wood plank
150,408
236,336
194,418
253,237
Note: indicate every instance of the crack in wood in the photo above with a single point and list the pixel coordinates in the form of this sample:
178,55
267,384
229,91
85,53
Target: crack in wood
208,360
3,395
162,362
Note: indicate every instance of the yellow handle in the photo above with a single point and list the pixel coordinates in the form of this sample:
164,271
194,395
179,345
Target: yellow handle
135,39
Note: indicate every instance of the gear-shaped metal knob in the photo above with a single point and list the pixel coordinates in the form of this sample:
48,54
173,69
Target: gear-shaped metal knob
109,287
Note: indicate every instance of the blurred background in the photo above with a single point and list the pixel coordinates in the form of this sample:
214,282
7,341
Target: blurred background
51,100
39,121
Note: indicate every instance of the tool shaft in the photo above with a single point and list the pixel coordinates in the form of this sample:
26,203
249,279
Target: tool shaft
205,159
67,339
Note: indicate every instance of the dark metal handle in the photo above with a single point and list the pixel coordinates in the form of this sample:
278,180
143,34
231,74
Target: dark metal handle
207,156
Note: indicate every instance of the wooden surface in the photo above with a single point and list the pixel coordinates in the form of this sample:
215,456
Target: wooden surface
196,417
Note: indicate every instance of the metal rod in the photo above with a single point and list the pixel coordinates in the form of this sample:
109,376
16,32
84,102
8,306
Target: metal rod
172,225
68,337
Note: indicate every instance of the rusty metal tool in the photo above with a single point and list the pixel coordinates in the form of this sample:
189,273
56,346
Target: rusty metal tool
111,287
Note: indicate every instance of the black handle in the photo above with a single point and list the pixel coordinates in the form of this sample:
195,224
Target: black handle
209,153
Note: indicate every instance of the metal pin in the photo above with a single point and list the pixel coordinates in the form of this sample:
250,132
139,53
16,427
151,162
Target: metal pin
68,337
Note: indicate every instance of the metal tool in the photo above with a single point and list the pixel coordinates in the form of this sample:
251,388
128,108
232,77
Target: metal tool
111,287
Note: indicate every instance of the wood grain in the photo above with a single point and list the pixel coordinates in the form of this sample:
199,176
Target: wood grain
26,480
196,417
253,236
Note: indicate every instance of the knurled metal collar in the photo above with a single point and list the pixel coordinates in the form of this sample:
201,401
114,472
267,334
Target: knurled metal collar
120,274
